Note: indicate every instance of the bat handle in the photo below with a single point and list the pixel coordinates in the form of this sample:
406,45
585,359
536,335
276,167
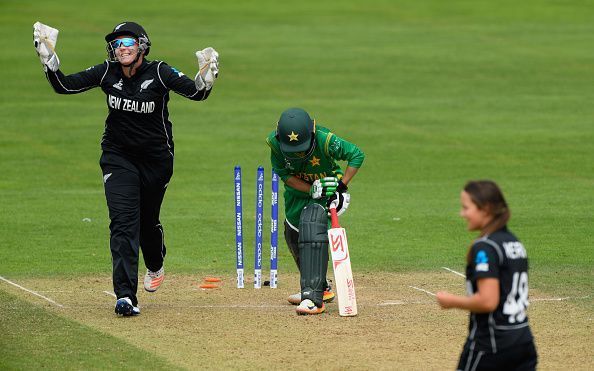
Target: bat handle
334,218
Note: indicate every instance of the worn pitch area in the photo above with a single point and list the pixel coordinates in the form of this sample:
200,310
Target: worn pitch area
398,326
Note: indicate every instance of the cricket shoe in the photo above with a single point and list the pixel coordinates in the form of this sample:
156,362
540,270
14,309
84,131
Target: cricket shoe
152,280
295,299
308,307
125,308
329,295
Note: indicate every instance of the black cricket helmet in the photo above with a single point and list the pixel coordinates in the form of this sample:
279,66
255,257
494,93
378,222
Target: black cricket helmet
296,134
128,29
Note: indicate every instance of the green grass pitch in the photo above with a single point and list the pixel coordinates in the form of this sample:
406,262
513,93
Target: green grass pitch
435,93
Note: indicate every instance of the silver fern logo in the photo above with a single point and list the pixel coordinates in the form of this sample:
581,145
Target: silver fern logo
118,85
145,84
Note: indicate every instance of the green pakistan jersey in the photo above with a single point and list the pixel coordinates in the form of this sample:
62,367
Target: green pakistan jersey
322,163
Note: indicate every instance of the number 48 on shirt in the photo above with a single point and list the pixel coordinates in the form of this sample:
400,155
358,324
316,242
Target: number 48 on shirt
517,300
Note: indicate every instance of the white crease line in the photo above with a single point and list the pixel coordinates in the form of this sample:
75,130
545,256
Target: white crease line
537,299
238,306
110,293
31,292
400,302
560,299
420,289
66,291
453,271
550,299
392,302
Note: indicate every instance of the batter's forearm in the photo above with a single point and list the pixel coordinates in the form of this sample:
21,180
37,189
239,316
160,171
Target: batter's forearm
298,184
349,173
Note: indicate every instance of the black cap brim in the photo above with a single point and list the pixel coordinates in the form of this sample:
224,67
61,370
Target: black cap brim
114,35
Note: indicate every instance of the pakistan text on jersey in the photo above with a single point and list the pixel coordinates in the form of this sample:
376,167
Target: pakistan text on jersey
310,177
130,105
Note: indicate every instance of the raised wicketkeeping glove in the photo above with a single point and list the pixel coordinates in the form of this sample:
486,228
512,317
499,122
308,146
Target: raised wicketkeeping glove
44,40
208,65
324,187
340,201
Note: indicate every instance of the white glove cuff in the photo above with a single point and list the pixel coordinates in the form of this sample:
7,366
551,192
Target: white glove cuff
53,63
199,81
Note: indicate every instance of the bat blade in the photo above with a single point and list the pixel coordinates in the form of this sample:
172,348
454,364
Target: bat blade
343,275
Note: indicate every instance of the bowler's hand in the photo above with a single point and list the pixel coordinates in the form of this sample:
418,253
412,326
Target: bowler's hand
445,299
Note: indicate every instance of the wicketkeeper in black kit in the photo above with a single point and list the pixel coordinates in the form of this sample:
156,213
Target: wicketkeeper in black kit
137,145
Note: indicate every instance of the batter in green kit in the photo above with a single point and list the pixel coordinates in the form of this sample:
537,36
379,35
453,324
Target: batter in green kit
304,156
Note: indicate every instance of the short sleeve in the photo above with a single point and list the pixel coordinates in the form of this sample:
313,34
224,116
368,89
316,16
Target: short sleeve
484,261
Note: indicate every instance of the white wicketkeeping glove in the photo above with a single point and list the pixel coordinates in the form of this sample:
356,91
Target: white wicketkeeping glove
208,65
44,40
339,201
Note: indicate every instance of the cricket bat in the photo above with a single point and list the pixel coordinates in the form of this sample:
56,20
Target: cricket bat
341,262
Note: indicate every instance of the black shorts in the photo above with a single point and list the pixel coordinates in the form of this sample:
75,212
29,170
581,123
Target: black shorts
520,357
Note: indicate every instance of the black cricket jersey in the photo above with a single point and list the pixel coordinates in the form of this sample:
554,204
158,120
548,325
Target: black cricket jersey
499,255
137,123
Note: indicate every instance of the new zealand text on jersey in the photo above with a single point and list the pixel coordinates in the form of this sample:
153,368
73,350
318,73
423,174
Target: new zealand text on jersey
514,250
130,105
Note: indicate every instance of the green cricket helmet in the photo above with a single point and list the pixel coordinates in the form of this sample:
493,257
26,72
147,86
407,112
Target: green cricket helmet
296,134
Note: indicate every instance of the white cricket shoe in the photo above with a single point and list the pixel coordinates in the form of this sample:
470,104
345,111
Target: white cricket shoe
152,280
308,307
295,299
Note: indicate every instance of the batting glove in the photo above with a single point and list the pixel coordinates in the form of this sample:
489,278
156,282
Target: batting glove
339,201
324,187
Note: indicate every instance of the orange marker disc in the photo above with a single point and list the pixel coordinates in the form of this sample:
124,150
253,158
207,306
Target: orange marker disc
208,286
212,279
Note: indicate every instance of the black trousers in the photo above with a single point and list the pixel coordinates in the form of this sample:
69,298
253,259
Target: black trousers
519,357
134,190
292,239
